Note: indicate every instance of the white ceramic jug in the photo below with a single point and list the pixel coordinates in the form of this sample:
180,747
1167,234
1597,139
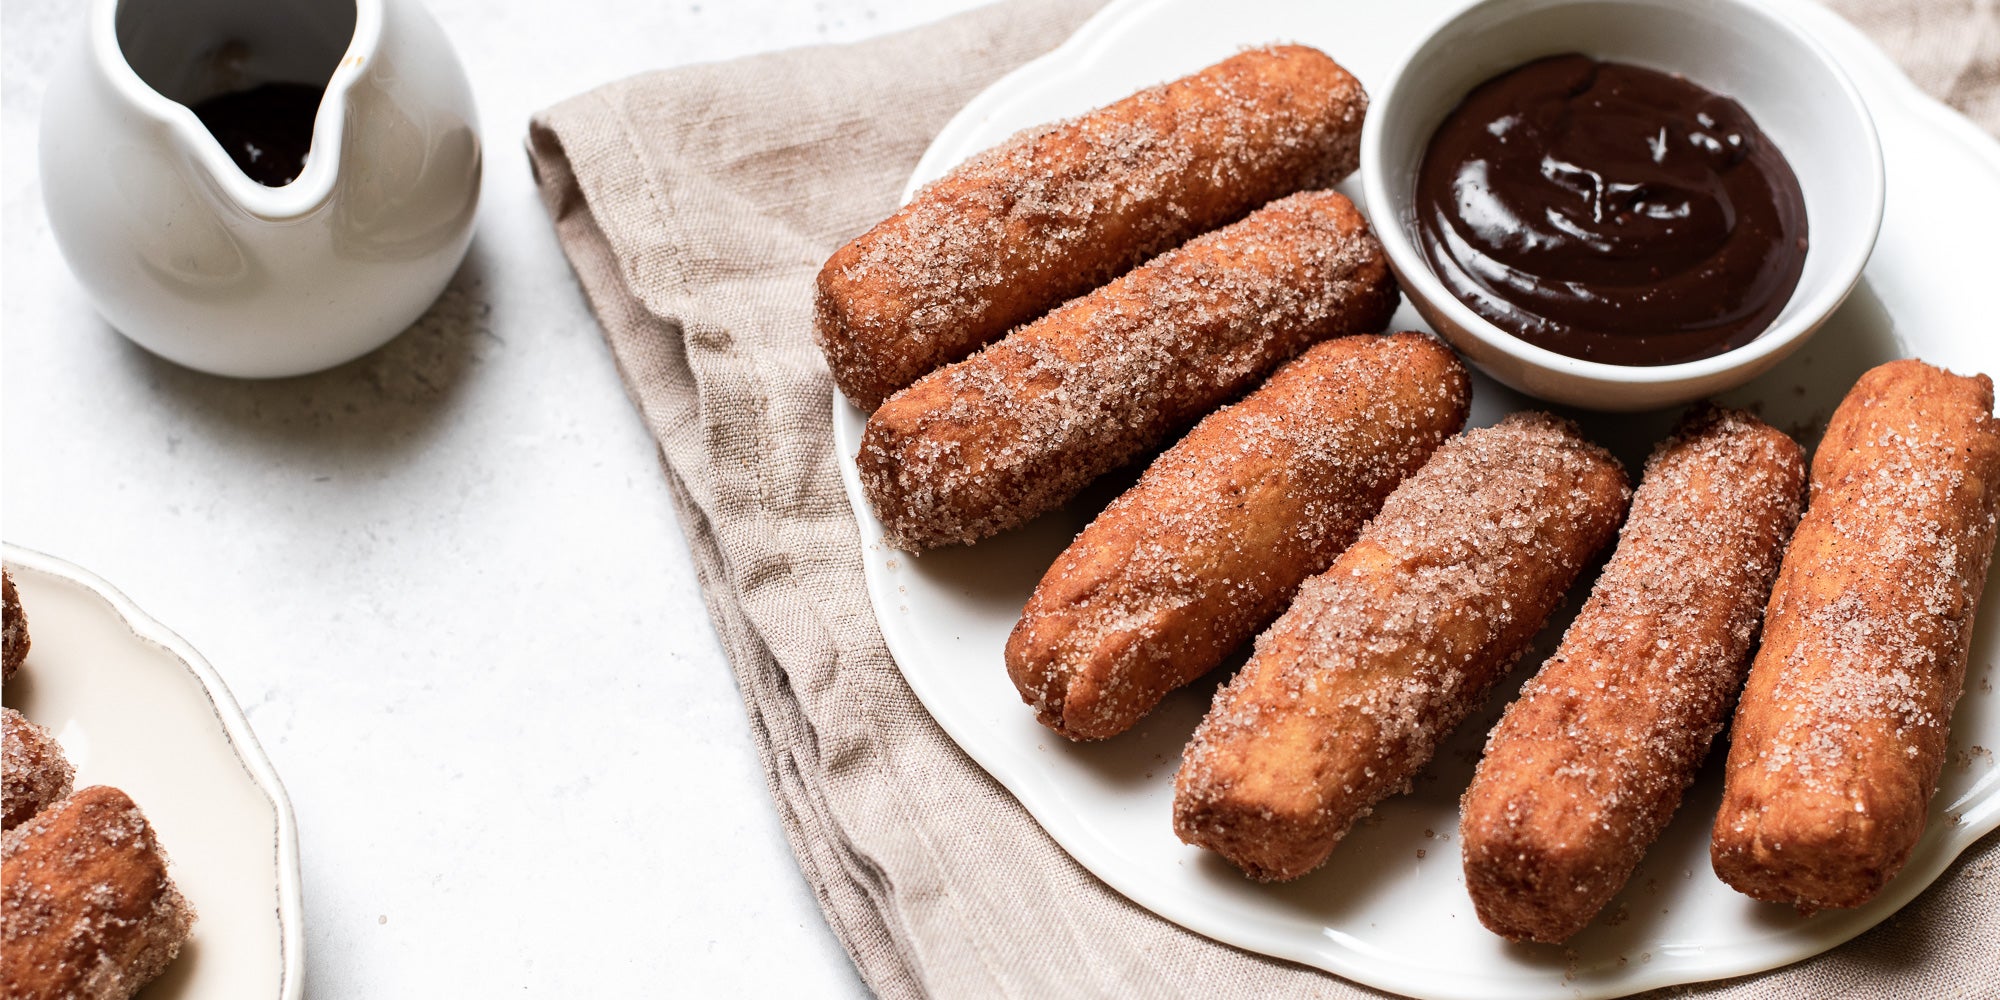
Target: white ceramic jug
188,256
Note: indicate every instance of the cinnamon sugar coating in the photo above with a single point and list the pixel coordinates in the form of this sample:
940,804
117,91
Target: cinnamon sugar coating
1841,733
1381,656
1587,767
13,630
1213,540
36,772
1016,430
86,908
1060,209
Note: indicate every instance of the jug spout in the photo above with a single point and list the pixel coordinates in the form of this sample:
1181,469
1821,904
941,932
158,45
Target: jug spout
188,64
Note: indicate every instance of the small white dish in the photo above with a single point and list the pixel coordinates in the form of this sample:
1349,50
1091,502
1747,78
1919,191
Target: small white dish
1790,84
1389,909
190,258
136,708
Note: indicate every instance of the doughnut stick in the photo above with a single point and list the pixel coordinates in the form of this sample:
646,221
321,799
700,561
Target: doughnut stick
1841,732
36,772
1059,210
86,908
14,630
1018,429
1378,658
1206,549
1587,767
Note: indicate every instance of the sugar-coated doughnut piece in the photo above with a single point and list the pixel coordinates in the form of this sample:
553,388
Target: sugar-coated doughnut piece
35,771
87,908
1385,653
1019,428
13,630
1058,210
1211,543
1841,732
1587,767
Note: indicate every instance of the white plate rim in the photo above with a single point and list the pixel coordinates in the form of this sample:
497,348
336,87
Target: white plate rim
235,728
1070,60
1861,58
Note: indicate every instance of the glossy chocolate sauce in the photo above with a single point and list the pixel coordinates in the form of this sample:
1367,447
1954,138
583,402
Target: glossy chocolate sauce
267,129
1611,213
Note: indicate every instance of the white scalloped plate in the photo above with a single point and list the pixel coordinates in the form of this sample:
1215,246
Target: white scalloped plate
1389,909
137,708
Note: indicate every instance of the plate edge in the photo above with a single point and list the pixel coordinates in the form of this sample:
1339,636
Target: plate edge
235,728
1099,29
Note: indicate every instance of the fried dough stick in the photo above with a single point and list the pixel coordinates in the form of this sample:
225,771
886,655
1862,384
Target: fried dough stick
1059,210
1382,655
1585,770
35,771
14,630
1018,429
1209,545
87,909
1841,732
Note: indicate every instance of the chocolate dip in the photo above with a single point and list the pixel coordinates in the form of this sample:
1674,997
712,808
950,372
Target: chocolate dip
1611,213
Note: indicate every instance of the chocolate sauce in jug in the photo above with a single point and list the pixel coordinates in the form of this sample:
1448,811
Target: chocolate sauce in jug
267,129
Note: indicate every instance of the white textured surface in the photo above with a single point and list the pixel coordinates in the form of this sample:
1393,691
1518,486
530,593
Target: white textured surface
445,581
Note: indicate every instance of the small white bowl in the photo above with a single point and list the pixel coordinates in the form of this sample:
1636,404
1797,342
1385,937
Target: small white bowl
1790,85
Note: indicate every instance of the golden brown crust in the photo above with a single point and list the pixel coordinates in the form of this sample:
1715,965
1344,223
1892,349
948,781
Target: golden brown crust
1213,540
36,772
1585,770
87,909
1837,744
1058,210
1018,429
14,630
1382,655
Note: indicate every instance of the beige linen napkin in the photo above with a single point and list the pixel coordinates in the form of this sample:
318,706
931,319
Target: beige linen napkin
696,205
